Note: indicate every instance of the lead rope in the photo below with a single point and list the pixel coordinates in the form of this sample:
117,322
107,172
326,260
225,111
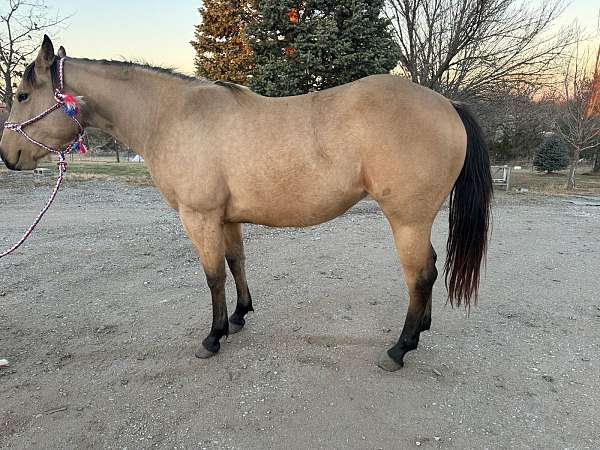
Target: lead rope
62,168
70,105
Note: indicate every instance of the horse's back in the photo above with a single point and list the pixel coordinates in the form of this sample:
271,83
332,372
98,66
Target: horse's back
306,159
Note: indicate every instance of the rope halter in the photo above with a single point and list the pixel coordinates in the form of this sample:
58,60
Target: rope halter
69,104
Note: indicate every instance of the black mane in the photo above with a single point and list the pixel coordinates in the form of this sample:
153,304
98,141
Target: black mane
30,77
142,65
170,71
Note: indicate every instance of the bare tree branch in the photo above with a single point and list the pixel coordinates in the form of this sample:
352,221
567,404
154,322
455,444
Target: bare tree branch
578,116
465,48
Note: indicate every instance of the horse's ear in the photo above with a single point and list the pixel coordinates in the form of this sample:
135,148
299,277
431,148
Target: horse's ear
45,56
62,52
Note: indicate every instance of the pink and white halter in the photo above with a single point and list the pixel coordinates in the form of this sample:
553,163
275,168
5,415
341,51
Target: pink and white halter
70,105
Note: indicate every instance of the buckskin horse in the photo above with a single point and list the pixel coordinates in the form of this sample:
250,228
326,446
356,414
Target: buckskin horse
222,156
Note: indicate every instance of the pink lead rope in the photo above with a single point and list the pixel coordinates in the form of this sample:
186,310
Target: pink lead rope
70,106
62,168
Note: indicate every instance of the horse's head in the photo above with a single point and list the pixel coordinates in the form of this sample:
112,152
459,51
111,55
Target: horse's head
35,95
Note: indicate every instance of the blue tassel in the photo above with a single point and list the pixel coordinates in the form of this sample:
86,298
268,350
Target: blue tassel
70,110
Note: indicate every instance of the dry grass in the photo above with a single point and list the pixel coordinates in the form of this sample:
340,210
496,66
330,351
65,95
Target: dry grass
104,169
84,169
555,184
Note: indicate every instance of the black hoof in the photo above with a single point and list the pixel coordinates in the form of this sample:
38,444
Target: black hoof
203,353
209,348
386,363
235,328
236,324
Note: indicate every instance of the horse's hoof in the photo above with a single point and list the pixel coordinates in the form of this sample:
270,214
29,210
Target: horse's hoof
235,327
203,353
386,363
236,324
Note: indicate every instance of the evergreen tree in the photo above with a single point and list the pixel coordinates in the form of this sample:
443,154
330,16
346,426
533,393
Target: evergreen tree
303,46
551,155
222,52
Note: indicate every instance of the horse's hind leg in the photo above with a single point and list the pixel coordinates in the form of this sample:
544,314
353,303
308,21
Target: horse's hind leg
234,253
427,318
418,261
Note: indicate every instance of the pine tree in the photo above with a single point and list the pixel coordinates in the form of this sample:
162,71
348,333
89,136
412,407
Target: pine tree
551,155
222,52
303,46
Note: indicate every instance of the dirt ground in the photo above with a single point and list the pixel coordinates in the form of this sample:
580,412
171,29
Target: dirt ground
100,314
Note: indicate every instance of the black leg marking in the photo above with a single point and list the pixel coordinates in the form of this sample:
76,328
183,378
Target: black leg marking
220,324
418,318
427,317
244,299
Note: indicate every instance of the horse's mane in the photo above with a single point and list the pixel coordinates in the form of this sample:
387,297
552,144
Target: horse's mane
29,73
169,71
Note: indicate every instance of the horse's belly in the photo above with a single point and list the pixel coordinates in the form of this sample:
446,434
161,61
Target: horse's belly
293,210
295,187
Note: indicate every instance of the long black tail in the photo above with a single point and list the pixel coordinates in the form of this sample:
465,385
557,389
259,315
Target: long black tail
470,216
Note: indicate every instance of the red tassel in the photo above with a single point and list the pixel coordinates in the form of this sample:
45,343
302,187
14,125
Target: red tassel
82,146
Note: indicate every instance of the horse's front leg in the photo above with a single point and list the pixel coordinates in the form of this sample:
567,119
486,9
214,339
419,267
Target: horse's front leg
234,254
206,232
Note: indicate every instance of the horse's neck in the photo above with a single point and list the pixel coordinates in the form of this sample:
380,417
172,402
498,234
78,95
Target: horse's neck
121,101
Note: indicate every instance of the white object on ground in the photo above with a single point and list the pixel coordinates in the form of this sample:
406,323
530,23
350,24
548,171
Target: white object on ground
3,363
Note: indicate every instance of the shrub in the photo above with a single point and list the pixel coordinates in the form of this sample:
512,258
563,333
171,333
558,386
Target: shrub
551,155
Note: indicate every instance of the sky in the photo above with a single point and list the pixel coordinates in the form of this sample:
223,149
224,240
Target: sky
160,35
155,31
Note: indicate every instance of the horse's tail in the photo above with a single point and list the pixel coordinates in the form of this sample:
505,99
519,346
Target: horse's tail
470,216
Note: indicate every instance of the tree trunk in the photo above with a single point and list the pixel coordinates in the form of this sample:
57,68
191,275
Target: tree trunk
573,169
596,168
8,91
117,151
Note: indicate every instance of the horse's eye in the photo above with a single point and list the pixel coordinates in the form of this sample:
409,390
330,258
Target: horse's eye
22,96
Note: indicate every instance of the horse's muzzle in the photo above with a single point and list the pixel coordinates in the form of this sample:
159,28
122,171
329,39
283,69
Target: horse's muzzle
7,163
